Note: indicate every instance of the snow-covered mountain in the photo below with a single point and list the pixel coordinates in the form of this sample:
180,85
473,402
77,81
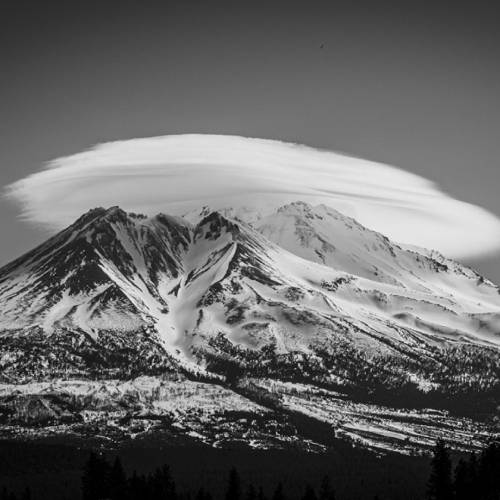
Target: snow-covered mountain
298,314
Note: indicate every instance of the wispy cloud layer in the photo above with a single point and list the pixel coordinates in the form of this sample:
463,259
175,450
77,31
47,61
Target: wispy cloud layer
179,173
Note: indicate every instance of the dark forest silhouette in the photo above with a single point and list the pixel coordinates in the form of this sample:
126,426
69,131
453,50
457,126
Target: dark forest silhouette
102,480
476,477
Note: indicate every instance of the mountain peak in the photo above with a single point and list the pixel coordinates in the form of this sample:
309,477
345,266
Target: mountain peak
90,215
116,214
298,205
213,225
99,215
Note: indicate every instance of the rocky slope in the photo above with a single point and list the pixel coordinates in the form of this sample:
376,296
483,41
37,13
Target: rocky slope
228,325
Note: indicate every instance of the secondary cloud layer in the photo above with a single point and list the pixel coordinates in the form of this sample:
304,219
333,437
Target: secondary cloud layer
179,173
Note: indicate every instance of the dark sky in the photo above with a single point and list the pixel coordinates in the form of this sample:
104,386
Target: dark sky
413,84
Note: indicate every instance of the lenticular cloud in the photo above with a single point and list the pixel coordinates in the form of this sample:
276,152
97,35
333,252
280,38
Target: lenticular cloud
180,173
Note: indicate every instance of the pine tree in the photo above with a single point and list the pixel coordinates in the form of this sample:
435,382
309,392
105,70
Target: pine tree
138,487
95,479
473,470
439,486
309,493
234,486
326,491
278,493
117,481
488,474
162,485
464,483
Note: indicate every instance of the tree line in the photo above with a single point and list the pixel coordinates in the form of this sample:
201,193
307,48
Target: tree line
476,477
102,480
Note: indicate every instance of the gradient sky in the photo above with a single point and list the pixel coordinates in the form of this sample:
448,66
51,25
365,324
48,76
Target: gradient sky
406,83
